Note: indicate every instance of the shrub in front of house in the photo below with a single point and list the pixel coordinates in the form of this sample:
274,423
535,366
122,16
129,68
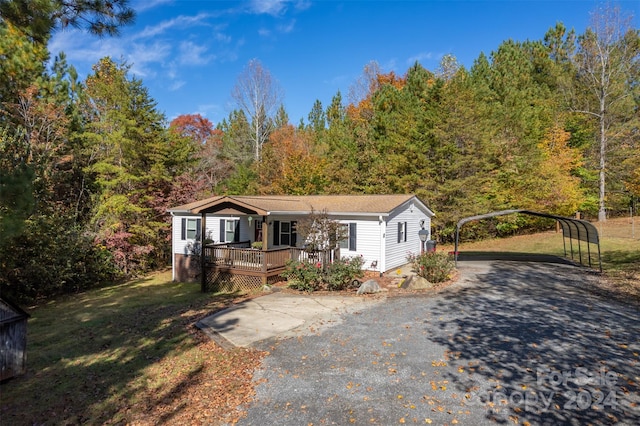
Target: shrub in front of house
435,267
341,273
311,276
305,276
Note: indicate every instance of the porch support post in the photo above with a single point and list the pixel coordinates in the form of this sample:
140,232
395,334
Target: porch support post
265,233
203,266
265,245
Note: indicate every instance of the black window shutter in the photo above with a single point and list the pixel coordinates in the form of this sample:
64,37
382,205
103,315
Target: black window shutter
294,234
405,232
276,232
236,231
183,235
352,236
399,232
222,231
198,228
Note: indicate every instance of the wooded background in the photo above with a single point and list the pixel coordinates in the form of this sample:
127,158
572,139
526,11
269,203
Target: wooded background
88,168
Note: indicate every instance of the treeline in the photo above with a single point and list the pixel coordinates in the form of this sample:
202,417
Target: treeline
88,168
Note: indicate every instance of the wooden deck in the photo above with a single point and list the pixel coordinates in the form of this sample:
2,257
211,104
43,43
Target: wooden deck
236,266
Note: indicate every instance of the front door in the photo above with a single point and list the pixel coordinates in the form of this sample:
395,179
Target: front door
258,231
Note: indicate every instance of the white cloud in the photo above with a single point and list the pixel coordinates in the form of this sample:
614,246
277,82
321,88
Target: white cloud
263,32
269,7
212,111
303,5
193,54
179,21
143,5
222,37
176,85
288,27
422,56
144,56
391,65
83,51
337,81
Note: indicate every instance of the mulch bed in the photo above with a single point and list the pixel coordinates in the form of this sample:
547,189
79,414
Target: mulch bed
389,283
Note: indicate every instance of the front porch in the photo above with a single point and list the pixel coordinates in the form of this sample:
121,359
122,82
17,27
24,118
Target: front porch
236,266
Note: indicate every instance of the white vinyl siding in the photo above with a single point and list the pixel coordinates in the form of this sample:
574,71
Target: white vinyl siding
366,241
180,244
402,234
212,231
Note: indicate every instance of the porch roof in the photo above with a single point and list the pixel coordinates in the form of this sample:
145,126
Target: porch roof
299,204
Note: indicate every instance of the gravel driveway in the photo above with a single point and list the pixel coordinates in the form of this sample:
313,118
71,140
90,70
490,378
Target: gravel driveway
510,342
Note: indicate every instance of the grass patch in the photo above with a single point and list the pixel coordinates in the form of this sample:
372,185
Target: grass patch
128,354
620,253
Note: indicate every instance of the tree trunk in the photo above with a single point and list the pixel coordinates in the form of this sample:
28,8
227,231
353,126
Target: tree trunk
602,212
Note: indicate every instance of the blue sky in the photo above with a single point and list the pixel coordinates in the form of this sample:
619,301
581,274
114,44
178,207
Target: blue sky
189,53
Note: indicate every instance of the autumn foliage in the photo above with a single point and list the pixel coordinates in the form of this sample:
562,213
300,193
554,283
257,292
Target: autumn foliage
516,129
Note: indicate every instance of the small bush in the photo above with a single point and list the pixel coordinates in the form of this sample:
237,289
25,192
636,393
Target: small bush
310,276
305,276
435,267
341,274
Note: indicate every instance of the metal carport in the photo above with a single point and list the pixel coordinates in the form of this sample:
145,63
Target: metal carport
574,229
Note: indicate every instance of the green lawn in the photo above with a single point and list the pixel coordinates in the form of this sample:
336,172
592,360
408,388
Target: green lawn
127,354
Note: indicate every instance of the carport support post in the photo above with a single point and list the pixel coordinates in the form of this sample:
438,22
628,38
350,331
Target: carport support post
571,241
580,249
588,244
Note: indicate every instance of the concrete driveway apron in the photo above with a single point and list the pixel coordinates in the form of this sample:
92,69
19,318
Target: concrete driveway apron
279,315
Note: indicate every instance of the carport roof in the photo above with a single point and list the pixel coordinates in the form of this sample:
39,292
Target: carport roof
573,228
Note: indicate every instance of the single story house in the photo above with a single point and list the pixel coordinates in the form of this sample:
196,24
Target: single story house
382,229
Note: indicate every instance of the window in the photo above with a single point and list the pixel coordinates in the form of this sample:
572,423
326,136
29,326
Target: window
229,230
349,242
402,232
284,233
344,231
191,229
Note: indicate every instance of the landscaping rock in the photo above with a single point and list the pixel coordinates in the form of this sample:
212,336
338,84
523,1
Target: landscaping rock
418,283
405,281
369,286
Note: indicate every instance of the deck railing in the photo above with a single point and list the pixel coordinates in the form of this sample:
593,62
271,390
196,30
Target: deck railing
247,259
319,256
